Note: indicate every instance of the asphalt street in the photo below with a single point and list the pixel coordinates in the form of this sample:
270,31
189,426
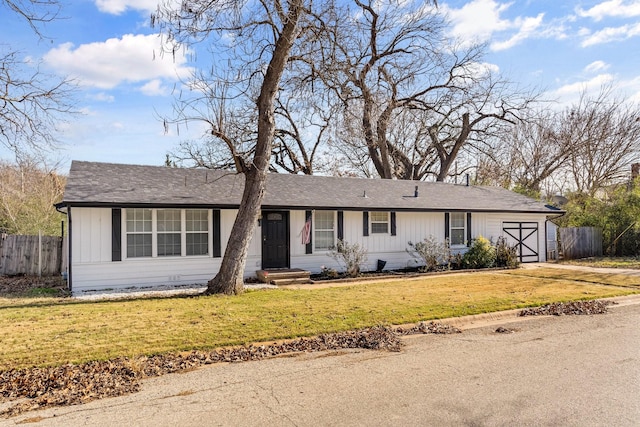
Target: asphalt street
556,371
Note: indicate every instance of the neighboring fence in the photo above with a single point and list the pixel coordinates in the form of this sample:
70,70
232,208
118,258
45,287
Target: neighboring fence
581,242
32,255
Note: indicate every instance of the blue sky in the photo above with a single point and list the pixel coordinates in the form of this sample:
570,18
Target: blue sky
109,47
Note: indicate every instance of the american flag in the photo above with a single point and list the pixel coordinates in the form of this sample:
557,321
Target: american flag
306,232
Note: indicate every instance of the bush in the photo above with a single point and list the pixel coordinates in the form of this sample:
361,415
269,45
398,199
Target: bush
431,252
480,255
506,255
352,256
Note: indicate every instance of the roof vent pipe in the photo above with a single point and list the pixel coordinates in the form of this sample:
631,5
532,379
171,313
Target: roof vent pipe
467,177
415,193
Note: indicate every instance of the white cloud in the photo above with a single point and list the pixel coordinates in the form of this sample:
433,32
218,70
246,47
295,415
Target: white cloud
528,27
154,88
594,83
105,65
116,7
103,97
596,66
611,8
611,34
477,20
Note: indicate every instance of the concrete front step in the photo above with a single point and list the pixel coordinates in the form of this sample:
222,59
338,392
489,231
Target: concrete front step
270,276
300,281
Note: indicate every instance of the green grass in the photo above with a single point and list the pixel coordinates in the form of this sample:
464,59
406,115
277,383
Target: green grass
51,331
610,262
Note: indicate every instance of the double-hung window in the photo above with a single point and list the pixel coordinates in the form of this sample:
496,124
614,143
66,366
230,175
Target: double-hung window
379,222
325,230
167,232
457,229
197,232
139,233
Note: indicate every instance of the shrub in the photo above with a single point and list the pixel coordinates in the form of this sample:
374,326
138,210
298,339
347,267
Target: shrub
431,252
506,255
352,256
480,255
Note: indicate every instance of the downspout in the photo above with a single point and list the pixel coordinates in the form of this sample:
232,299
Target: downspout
68,214
546,240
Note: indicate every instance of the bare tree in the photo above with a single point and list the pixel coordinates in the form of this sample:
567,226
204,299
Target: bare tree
264,37
393,65
28,191
34,12
583,148
606,130
533,151
32,103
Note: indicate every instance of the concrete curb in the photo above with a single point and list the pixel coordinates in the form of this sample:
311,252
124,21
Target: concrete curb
508,316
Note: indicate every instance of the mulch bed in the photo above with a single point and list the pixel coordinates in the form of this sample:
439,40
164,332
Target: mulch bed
21,286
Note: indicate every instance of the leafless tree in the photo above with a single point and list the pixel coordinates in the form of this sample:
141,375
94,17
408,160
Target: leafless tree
583,148
28,191
34,12
258,41
393,63
32,103
606,130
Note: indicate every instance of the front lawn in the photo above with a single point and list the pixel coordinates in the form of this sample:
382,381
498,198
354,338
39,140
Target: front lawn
54,331
609,262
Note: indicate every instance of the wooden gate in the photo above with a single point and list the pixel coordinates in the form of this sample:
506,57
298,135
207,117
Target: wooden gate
524,236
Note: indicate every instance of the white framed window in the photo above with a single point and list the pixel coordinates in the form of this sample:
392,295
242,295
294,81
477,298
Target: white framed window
457,228
139,233
197,229
379,222
167,232
324,230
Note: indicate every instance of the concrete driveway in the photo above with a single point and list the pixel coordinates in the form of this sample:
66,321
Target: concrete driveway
571,370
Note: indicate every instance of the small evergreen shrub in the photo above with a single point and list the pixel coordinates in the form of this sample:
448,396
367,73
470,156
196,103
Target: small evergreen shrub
351,256
480,255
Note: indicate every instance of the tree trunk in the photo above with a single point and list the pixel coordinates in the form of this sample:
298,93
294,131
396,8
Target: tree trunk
230,278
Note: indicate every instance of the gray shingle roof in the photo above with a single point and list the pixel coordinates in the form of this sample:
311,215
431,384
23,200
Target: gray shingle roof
101,184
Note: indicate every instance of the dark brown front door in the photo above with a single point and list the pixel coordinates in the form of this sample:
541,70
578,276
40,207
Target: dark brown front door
275,239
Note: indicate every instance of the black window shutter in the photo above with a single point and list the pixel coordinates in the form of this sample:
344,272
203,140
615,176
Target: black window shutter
446,225
217,244
468,228
308,248
116,234
393,223
365,223
340,225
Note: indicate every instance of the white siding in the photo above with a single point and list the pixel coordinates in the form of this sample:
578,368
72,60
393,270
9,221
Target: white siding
93,269
91,236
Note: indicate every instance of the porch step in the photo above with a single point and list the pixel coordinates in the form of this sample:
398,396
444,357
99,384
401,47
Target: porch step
300,281
270,276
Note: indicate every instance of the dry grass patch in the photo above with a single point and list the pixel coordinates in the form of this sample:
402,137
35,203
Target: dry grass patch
608,262
595,278
54,332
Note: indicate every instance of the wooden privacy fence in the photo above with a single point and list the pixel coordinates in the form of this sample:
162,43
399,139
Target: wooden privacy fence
32,255
581,242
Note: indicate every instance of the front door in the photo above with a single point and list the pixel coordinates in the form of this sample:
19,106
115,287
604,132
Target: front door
275,239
